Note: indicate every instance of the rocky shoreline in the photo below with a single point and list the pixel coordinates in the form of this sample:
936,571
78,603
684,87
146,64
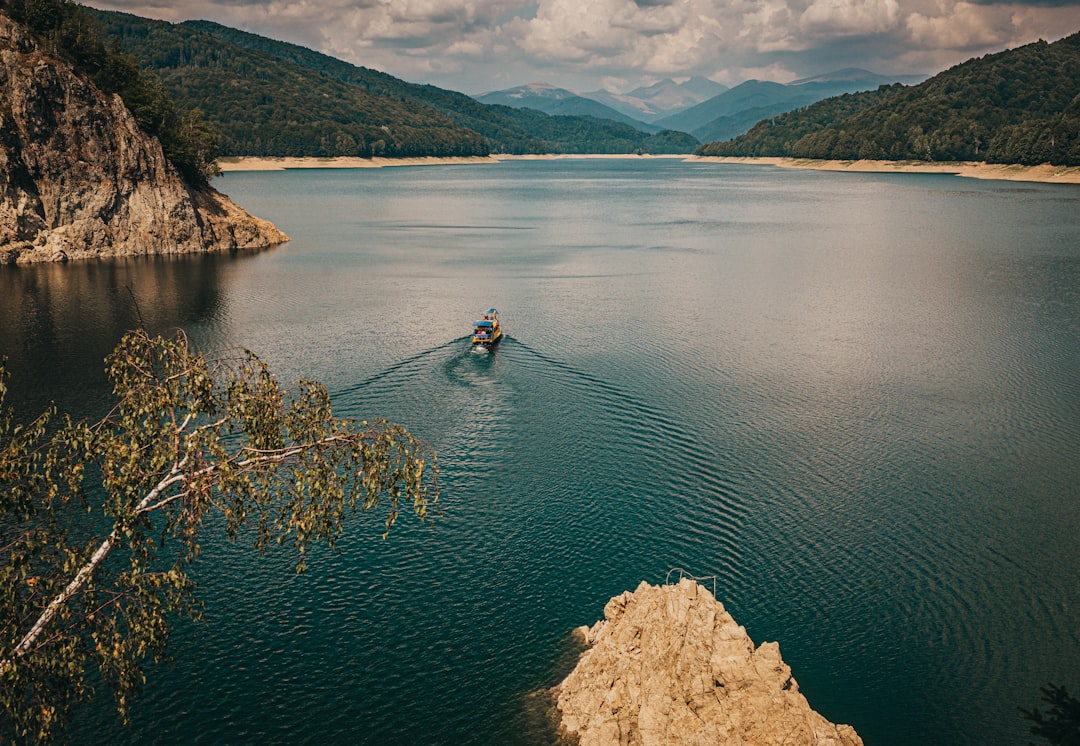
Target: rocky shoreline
669,665
80,180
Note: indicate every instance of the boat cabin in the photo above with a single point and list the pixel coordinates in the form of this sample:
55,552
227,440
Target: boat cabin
487,330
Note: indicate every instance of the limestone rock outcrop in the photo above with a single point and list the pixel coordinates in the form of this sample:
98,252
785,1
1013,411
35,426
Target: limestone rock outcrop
79,179
669,665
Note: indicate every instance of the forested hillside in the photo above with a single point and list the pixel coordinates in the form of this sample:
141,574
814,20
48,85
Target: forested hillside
737,109
67,30
260,105
271,98
1018,106
778,135
497,124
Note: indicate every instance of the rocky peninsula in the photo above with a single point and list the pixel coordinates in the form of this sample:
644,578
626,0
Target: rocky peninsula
669,665
79,179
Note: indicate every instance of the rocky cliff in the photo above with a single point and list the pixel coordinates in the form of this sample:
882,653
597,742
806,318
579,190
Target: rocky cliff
668,665
79,179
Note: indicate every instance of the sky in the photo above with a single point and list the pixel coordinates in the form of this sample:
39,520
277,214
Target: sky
476,46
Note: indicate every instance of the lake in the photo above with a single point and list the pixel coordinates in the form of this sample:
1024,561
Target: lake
854,399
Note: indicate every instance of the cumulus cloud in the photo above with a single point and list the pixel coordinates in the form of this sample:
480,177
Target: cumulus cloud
964,26
615,36
478,45
831,18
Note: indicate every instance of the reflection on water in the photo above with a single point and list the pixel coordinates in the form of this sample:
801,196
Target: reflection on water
58,322
855,399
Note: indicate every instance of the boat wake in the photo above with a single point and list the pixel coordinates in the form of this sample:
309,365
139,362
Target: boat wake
520,427
678,475
398,366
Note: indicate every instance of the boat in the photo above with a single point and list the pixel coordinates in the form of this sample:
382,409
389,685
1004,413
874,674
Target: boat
487,331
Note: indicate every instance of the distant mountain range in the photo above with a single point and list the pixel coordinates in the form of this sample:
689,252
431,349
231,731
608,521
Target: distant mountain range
736,110
639,108
1017,106
706,110
649,103
271,98
560,102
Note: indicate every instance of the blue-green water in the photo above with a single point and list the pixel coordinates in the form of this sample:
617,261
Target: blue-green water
855,399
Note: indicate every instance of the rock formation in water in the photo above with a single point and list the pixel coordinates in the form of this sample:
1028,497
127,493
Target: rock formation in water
79,179
668,665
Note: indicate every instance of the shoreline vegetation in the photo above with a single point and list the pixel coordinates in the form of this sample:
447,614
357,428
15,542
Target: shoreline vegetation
1045,173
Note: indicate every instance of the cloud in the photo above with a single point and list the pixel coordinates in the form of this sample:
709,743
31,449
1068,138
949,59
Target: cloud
832,18
965,26
478,45
1035,4
613,36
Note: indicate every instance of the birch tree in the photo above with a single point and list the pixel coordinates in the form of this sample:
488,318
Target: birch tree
100,521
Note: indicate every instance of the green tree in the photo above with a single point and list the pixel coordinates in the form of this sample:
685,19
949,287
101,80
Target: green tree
66,29
100,521
1061,723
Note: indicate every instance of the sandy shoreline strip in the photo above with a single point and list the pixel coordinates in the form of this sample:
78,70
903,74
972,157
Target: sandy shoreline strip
256,163
1044,174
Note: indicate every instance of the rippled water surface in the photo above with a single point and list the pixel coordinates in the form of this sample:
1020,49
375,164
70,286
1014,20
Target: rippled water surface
855,399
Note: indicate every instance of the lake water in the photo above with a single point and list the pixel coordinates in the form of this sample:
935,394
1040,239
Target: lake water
852,398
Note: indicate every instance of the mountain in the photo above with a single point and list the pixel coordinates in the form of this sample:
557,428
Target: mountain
752,94
774,136
731,125
1019,106
650,103
669,95
498,125
261,104
559,101
81,179
544,94
734,111
271,98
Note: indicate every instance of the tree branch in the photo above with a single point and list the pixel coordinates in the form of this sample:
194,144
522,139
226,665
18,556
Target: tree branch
54,606
86,571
